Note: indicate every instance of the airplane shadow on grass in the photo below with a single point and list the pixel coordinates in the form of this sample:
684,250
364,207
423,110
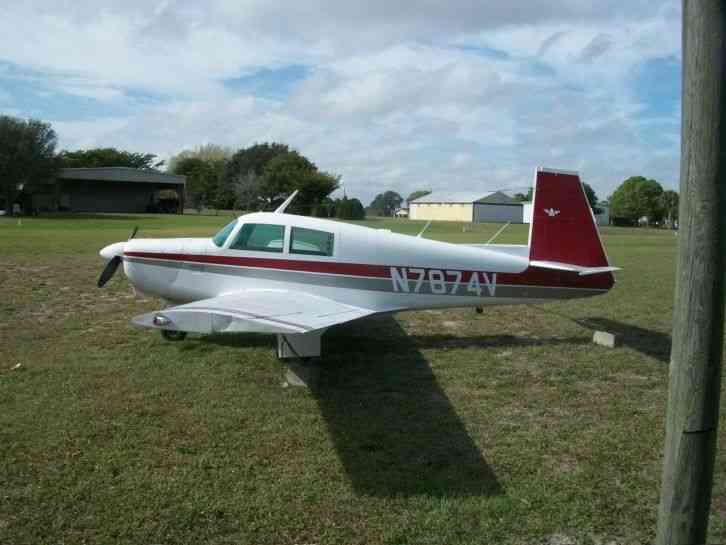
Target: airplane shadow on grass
392,425
394,428
649,342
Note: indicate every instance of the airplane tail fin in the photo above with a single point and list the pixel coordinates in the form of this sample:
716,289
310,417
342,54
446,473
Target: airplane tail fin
563,234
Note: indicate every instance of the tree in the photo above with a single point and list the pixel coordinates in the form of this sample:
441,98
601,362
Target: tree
591,195
247,188
635,198
282,172
287,172
358,212
386,204
225,195
27,156
325,208
253,159
349,209
417,194
522,197
202,181
214,191
206,152
107,157
243,173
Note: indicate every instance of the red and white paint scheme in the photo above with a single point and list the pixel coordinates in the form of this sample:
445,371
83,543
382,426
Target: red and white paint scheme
296,276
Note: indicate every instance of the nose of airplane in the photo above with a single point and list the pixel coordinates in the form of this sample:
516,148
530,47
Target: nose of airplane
112,250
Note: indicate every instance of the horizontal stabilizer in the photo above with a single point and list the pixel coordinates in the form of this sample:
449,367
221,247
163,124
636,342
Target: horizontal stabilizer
569,267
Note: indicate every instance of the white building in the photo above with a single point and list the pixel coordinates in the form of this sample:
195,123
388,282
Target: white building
603,215
492,207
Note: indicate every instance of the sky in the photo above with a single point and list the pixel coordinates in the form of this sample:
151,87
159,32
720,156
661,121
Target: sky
465,95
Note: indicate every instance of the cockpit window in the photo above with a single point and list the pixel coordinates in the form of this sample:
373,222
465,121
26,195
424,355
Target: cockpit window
259,237
220,238
311,242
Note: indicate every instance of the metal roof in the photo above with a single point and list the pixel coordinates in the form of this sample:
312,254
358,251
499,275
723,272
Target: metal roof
121,174
461,197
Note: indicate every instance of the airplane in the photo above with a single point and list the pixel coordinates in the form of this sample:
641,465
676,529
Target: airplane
297,276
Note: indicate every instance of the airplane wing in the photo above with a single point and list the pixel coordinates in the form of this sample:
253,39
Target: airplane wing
254,311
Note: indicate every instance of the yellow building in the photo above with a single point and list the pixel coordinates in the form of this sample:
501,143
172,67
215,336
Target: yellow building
493,207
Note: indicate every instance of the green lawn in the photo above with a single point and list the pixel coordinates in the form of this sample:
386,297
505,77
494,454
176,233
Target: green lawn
439,427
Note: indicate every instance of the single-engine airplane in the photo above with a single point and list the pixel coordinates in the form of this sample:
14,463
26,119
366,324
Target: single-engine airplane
296,276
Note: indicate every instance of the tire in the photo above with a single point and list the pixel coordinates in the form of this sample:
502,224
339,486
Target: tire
172,335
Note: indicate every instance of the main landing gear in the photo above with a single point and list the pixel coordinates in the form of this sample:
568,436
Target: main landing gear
173,335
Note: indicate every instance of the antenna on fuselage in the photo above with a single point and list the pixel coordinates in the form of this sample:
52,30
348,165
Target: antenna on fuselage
281,209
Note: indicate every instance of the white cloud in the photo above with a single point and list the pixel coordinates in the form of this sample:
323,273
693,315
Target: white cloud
438,95
88,134
98,92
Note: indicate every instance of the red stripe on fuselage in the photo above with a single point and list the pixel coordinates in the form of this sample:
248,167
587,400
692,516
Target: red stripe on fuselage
530,277
346,269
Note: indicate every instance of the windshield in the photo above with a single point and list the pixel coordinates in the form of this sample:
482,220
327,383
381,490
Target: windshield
220,238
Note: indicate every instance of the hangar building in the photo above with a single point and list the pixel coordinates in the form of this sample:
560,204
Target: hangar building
495,207
112,189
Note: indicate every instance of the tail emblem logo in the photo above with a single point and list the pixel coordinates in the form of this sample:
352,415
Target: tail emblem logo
551,212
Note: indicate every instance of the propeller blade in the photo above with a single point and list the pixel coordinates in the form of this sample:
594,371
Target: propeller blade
133,233
108,271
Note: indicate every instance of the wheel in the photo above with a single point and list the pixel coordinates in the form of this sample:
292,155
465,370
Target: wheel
172,335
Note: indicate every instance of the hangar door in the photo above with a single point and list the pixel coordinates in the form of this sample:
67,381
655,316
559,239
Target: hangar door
497,213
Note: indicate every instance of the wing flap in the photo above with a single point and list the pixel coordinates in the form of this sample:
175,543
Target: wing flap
254,311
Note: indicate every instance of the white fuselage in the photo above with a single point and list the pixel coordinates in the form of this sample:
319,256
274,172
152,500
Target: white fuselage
368,268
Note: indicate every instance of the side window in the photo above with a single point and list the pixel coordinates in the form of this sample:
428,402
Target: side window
259,237
310,242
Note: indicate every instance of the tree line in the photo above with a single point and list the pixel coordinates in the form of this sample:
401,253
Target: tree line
255,178
261,176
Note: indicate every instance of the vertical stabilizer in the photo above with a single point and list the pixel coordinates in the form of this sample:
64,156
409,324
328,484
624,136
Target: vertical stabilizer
563,228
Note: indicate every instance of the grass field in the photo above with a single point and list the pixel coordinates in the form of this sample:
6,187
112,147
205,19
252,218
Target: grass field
440,427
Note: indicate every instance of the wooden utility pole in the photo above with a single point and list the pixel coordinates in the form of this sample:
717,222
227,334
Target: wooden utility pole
695,368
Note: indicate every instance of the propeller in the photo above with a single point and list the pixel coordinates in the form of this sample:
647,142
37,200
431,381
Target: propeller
110,269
